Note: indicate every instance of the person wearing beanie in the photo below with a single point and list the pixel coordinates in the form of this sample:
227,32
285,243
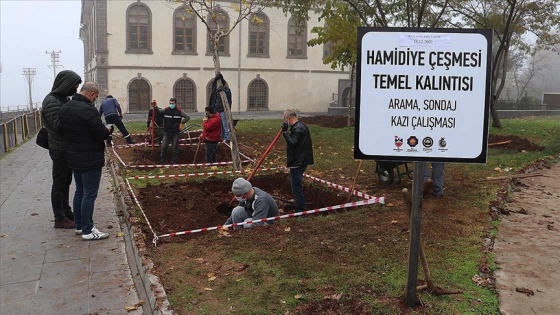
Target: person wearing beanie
112,111
254,204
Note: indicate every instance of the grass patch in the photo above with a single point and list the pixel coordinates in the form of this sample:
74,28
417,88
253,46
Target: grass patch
360,254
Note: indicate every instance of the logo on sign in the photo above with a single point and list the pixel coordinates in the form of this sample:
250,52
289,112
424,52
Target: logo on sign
442,144
428,142
412,141
398,143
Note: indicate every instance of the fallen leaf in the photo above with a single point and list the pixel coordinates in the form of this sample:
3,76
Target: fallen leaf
212,278
207,289
287,229
4,235
199,260
298,296
34,214
390,204
394,221
527,292
120,234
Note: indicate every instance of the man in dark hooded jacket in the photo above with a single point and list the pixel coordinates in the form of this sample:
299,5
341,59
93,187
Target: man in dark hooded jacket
65,84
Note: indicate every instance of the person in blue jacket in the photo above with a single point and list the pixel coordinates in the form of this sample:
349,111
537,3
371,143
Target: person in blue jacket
111,108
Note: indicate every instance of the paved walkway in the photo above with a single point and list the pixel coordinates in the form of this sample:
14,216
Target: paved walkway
52,271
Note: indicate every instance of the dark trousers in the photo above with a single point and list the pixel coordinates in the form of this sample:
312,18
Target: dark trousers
60,190
87,187
117,121
210,152
296,177
167,138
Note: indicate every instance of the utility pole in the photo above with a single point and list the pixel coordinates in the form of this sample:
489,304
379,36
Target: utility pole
54,60
29,73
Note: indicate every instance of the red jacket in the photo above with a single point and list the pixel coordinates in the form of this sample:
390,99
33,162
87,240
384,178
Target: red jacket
212,128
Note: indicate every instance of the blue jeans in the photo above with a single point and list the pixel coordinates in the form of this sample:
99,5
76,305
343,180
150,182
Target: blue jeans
167,138
437,176
87,187
296,176
225,130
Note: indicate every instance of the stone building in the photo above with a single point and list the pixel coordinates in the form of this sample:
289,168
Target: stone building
139,50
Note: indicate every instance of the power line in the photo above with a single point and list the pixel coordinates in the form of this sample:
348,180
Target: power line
54,60
29,73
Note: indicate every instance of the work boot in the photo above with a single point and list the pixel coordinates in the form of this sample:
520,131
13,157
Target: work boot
129,140
64,224
427,186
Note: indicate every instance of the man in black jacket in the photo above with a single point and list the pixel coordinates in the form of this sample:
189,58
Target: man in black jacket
216,102
173,118
299,151
65,84
85,134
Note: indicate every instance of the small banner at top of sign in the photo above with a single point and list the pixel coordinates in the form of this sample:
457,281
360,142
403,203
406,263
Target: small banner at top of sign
423,94
423,39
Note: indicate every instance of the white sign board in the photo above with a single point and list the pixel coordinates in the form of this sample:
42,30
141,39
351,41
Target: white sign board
422,94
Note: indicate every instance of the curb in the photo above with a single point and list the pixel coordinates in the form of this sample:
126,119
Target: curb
146,282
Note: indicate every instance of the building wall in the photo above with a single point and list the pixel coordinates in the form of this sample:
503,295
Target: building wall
306,84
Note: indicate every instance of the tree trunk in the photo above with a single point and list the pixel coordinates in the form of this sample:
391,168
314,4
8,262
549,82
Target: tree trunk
232,137
350,95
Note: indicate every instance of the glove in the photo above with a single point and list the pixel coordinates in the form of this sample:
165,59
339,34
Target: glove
284,126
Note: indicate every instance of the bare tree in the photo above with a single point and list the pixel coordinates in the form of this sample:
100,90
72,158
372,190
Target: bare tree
211,14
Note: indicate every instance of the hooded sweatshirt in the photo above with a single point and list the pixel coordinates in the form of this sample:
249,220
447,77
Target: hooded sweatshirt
63,88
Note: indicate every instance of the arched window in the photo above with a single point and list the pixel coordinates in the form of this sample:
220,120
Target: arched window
139,95
327,47
184,91
184,31
139,29
257,95
259,34
297,39
222,20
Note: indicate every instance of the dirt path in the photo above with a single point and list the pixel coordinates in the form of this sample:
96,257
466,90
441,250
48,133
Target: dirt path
527,248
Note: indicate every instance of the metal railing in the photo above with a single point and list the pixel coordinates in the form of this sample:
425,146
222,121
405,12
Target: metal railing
18,129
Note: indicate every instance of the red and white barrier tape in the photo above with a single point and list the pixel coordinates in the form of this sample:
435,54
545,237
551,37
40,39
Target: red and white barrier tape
142,211
196,174
346,189
182,165
279,217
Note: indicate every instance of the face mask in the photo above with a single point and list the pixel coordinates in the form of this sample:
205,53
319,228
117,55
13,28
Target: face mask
172,106
72,91
240,199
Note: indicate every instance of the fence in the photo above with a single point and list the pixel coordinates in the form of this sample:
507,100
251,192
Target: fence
18,129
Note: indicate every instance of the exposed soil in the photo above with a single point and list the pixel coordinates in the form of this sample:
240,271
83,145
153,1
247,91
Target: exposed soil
328,121
183,206
512,143
140,155
194,204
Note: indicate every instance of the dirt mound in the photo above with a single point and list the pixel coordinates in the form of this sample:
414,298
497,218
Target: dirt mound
328,121
512,143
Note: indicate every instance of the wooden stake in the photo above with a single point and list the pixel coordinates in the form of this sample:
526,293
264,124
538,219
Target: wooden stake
355,180
515,176
499,143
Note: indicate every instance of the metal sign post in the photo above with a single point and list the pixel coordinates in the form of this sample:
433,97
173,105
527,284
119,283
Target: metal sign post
415,229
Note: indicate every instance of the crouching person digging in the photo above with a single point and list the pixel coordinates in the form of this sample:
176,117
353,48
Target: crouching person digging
254,204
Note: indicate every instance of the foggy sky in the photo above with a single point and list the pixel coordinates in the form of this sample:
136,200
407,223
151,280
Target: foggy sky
28,30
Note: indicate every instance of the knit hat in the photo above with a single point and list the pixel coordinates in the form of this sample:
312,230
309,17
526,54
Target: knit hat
240,186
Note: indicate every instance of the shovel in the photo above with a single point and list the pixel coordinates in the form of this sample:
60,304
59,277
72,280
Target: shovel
197,147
